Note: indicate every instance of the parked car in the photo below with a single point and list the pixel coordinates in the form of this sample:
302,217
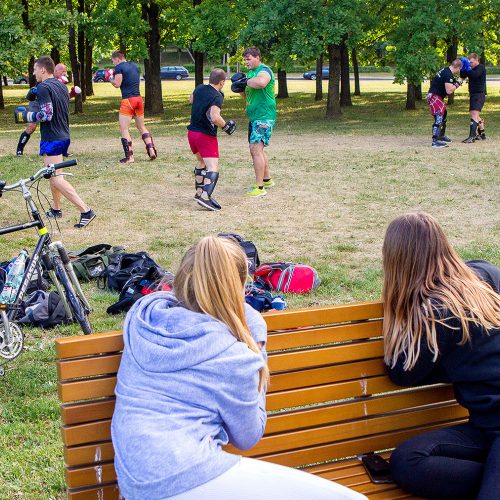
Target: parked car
99,75
311,75
21,79
173,72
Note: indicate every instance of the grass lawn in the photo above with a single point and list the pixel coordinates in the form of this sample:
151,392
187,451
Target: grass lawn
338,184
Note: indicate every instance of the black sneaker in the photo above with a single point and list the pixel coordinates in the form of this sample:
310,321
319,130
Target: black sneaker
19,152
469,140
482,136
439,144
53,213
85,219
445,138
209,204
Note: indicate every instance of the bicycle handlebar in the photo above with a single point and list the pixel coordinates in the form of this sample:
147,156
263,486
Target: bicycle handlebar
46,172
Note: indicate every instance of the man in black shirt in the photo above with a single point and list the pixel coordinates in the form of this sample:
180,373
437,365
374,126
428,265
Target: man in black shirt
127,78
477,94
443,84
53,102
206,103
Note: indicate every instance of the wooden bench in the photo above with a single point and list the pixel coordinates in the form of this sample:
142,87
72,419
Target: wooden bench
329,400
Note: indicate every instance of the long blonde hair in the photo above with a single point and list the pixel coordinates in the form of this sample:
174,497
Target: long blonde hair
211,279
426,282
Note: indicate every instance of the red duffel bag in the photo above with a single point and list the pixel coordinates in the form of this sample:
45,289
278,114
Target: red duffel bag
287,277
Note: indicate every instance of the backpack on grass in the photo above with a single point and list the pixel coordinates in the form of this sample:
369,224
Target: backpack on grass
90,263
287,277
248,247
43,309
124,266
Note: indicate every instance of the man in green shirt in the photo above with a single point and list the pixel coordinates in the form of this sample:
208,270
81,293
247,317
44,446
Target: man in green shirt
261,112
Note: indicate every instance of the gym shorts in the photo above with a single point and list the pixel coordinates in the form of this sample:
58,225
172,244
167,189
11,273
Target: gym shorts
133,106
260,131
436,104
206,145
476,102
54,148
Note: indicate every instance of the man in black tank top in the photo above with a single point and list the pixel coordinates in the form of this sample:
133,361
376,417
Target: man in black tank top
476,74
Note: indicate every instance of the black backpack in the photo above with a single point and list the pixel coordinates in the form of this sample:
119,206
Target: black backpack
124,266
248,247
42,309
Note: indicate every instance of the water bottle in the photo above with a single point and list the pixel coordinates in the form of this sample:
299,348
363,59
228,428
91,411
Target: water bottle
14,279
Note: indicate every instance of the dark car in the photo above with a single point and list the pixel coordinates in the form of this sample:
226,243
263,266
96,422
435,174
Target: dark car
21,79
311,75
173,72
99,75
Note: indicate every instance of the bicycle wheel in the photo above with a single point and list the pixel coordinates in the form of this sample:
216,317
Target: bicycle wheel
13,346
78,310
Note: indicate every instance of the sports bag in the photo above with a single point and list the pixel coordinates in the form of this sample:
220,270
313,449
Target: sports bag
248,247
124,266
43,309
138,286
90,263
287,277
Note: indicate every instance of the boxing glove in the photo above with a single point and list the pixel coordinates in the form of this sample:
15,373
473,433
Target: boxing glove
74,91
23,116
109,75
465,64
239,86
238,76
229,127
63,79
32,93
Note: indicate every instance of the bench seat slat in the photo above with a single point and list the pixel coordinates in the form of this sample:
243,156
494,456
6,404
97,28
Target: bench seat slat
81,413
351,429
325,356
72,347
323,335
88,367
109,492
299,318
89,454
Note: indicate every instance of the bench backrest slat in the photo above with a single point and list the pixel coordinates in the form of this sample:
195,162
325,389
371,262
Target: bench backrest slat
329,395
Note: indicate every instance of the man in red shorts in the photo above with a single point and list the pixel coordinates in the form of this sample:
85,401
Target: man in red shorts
206,103
126,77
443,84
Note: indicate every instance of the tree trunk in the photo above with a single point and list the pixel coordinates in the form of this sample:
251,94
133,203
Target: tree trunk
198,68
451,54
26,24
418,92
5,82
75,67
121,44
482,60
31,76
55,54
282,85
357,88
2,103
345,88
81,52
333,102
153,97
319,79
89,89
410,96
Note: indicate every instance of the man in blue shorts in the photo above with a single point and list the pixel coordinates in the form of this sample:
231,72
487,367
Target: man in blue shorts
258,89
53,115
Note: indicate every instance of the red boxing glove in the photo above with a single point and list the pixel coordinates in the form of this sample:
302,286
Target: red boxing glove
109,75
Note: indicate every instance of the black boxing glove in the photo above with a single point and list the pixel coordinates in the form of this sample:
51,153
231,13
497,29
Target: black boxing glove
229,127
238,76
239,86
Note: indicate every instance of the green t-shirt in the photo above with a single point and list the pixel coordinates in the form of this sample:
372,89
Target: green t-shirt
261,103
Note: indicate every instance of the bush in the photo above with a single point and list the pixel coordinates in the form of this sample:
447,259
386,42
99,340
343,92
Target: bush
493,70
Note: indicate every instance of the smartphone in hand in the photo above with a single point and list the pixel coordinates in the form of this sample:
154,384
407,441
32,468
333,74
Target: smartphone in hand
377,468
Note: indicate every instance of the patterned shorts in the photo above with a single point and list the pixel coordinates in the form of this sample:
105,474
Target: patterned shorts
436,104
260,131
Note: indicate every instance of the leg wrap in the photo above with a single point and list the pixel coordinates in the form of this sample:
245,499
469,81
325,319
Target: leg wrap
443,124
199,178
22,142
208,187
472,132
127,149
150,147
436,126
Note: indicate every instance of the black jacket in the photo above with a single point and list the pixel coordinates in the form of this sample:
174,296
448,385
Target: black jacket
472,368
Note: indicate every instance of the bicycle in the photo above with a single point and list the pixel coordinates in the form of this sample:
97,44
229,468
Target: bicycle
56,262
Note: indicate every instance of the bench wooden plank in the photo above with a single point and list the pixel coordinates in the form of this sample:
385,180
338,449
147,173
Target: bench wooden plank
72,347
351,429
325,356
89,454
109,492
323,453
87,412
90,476
88,367
323,335
358,311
